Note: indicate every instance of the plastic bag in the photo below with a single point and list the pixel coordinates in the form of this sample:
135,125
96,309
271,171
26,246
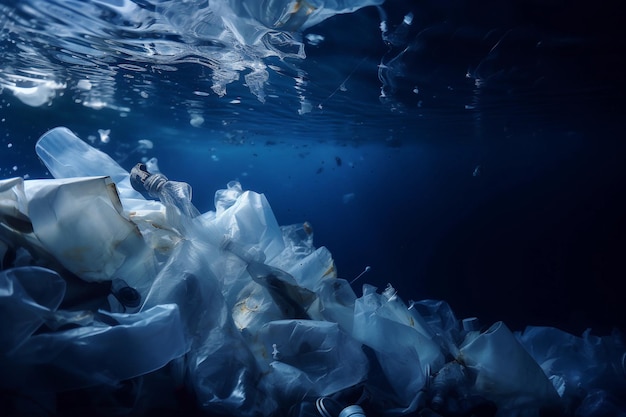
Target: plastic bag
308,359
291,15
98,348
104,244
384,323
505,372
27,295
584,369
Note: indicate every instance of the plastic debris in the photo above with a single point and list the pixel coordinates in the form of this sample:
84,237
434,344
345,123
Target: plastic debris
129,295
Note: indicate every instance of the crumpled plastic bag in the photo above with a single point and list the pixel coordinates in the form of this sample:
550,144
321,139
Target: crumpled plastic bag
309,358
505,372
99,348
582,369
384,323
104,243
27,296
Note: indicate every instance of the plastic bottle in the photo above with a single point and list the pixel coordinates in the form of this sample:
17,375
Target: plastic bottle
67,156
128,297
171,193
352,411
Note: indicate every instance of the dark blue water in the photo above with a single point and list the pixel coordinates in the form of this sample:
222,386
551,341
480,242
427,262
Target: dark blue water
475,155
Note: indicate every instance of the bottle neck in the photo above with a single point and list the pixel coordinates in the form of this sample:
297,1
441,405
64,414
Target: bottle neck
154,184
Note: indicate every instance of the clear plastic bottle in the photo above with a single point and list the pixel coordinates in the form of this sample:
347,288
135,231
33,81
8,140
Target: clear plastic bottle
66,156
171,193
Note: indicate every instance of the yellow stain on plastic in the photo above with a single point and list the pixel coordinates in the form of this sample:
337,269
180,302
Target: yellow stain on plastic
331,271
243,311
300,4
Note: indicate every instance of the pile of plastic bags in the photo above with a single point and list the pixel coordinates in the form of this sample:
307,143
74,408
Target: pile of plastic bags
130,301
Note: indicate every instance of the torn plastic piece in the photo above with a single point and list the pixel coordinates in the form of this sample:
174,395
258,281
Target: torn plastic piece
104,243
16,229
384,323
293,15
102,353
316,359
13,206
505,372
471,324
298,238
224,199
577,364
292,299
26,295
101,348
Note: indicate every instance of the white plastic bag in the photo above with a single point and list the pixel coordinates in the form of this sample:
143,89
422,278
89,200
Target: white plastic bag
384,323
103,243
309,358
27,295
97,348
505,372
